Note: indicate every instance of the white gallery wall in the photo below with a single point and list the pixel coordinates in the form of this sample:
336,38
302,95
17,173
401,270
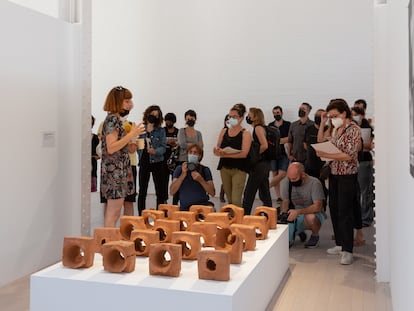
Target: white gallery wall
394,184
40,153
209,55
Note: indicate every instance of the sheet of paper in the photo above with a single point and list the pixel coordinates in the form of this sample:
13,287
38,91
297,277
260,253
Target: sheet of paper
230,150
327,147
366,135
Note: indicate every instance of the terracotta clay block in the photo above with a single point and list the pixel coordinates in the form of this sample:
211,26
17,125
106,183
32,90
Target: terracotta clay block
150,215
208,231
104,235
166,227
130,223
186,219
201,211
142,240
168,209
235,213
230,242
165,259
190,243
119,256
221,219
260,223
270,213
214,265
78,252
248,234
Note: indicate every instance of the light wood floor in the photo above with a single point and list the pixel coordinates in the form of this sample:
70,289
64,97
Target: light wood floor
314,281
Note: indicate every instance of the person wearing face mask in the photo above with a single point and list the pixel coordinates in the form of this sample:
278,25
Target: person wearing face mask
305,195
151,158
232,164
343,180
296,137
279,166
187,136
365,168
258,179
171,133
192,180
116,173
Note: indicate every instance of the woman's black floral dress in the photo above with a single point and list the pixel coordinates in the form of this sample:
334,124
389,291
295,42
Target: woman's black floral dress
116,172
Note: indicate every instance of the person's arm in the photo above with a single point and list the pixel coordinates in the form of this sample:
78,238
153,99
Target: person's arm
261,136
178,178
289,145
208,184
182,141
113,144
246,142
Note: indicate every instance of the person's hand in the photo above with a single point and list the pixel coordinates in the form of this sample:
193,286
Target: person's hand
324,118
292,214
151,150
137,129
218,151
196,176
184,168
322,154
291,158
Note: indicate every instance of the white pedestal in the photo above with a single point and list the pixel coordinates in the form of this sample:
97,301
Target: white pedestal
252,284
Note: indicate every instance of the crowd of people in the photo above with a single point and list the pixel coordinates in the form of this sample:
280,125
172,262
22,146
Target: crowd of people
130,153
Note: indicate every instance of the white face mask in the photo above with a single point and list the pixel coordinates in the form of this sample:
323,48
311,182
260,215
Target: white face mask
232,122
337,122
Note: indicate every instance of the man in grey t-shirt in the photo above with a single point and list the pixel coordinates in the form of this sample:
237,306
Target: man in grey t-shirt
306,196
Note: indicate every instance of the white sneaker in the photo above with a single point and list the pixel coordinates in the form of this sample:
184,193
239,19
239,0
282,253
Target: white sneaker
336,250
347,258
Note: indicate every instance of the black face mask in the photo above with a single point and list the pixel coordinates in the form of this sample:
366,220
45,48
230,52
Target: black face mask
248,120
301,113
296,183
169,126
190,123
277,117
317,120
124,113
152,119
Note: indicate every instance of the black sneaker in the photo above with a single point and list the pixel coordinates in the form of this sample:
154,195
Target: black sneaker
302,236
312,242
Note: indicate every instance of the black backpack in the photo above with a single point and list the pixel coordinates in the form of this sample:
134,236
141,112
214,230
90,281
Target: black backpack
273,141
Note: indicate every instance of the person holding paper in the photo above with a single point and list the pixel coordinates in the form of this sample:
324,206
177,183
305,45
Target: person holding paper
343,180
236,140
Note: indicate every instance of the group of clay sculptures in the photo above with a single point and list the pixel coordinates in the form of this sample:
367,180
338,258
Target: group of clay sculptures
168,235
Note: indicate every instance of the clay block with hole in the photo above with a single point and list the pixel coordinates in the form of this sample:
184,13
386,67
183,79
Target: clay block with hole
214,265
168,209
142,240
119,256
166,227
165,259
270,213
78,252
201,211
104,235
130,223
260,223
150,215
186,219
190,243
221,219
232,242
248,234
236,213
208,231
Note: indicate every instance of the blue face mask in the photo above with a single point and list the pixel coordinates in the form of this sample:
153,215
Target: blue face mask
232,122
192,158
357,118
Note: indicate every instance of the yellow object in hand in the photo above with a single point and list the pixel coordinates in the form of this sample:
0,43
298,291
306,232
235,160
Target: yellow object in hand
127,127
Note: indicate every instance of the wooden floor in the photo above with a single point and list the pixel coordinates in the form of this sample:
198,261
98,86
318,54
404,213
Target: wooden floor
315,280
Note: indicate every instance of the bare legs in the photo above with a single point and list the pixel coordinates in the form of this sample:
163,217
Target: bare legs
112,212
128,208
275,182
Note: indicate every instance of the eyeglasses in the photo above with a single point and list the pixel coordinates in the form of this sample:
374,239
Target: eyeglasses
119,88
